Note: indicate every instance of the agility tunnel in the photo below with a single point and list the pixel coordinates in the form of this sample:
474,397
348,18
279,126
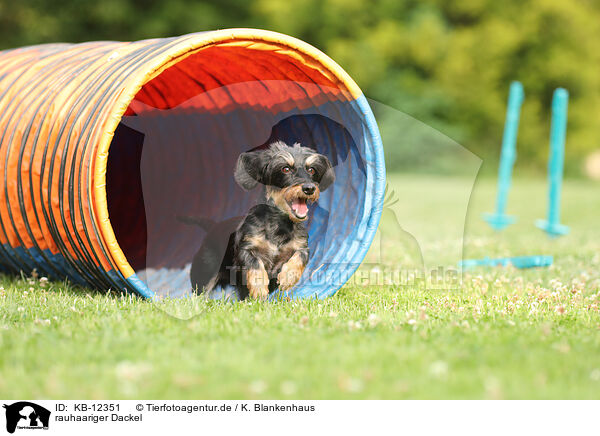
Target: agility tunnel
104,146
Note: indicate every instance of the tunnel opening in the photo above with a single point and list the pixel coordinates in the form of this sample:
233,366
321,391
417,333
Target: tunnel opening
173,154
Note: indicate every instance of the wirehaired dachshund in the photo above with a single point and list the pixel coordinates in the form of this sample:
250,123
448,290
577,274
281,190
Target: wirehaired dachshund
268,249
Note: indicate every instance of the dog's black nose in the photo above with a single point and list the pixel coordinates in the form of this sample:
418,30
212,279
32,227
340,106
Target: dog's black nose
308,188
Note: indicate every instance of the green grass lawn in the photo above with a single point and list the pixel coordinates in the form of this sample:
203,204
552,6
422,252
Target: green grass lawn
504,333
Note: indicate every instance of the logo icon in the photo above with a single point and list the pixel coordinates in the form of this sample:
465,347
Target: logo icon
26,415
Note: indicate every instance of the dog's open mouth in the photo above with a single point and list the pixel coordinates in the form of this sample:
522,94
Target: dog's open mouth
293,201
299,207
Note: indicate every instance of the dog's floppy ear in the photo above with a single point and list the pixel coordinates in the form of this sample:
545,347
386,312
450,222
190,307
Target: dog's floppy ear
327,170
248,170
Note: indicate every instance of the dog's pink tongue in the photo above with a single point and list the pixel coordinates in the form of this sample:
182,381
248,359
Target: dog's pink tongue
300,207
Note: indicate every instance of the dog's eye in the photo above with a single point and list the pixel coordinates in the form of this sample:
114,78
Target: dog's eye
310,170
286,170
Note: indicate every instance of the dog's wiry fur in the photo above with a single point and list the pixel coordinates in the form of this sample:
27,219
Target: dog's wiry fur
269,248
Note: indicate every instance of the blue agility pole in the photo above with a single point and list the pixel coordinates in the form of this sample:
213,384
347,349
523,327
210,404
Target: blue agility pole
558,132
508,155
517,262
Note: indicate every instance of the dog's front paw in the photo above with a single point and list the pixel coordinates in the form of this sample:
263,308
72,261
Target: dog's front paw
290,273
257,281
259,292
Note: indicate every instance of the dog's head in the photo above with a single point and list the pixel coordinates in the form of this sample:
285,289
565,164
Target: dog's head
294,176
